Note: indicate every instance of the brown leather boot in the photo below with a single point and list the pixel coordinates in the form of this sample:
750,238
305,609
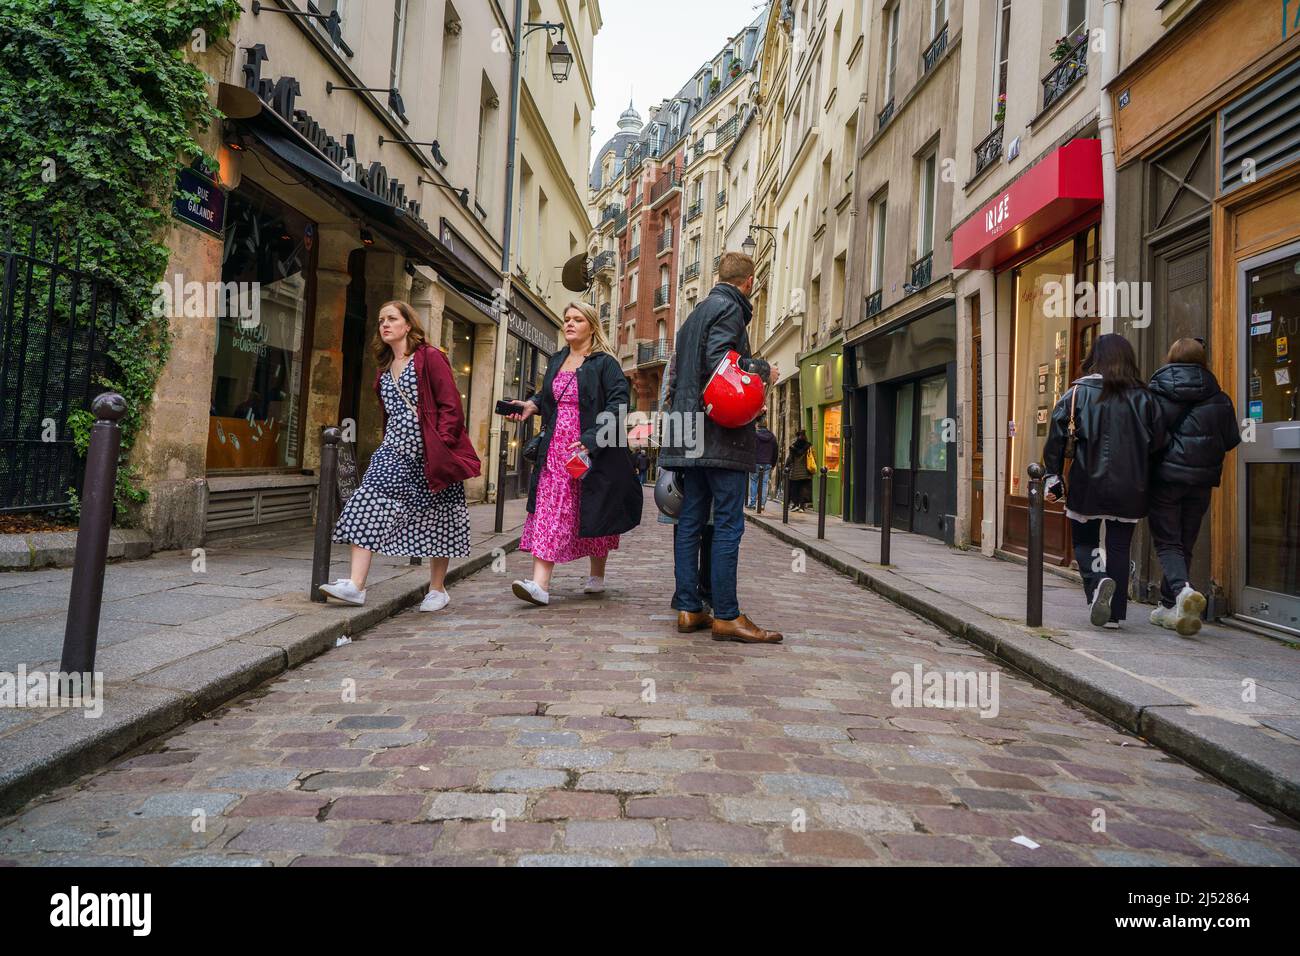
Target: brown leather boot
745,631
690,621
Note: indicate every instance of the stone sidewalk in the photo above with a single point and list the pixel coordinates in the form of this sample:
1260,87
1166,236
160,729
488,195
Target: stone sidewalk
181,634
1227,700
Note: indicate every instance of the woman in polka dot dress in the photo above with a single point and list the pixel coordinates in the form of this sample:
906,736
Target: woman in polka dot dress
412,499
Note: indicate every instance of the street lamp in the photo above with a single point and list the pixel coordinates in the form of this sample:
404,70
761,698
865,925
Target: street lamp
749,246
560,57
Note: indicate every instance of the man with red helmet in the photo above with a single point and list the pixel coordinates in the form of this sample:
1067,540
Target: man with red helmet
715,459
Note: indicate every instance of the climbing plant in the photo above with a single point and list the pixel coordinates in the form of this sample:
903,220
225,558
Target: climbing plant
99,109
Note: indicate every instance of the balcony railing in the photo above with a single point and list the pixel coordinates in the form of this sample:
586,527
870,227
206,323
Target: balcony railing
604,260
1068,72
661,296
620,223
989,151
665,242
668,181
604,310
727,130
695,210
873,302
609,214
635,199
722,199
885,115
921,271
635,253
650,353
935,50
691,271
717,260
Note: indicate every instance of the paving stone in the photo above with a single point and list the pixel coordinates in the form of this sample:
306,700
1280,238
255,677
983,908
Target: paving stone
184,803
668,808
716,837
620,782
872,818
568,804
829,844
527,779
612,834
387,839
372,722
376,806
476,806
804,785
574,759
561,859
261,778
550,739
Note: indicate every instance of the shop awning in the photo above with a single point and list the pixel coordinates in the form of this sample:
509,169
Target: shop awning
1059,189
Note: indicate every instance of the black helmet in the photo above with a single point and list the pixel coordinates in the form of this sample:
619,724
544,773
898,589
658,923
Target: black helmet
668,493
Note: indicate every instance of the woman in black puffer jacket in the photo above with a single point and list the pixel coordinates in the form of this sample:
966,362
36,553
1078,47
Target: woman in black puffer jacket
1202,427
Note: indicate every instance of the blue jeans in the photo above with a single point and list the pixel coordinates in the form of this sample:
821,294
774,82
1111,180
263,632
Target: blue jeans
758,486
724,489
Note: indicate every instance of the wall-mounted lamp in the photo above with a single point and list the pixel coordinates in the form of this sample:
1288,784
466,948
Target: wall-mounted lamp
560,57
394,98
462,194
333,25
432,144
749,246
367,238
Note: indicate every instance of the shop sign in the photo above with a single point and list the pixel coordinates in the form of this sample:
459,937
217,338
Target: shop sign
521,327
203,203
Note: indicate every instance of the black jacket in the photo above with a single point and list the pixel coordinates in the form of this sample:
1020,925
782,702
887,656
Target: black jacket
1116,443
1201,422
716,326
797,459
611,496
764,447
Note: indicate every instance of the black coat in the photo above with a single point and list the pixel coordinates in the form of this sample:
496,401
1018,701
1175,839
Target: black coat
764,447
611,496
1116,442
1201,422
716,326
797,459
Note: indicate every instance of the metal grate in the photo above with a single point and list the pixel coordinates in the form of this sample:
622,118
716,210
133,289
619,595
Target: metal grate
1261,130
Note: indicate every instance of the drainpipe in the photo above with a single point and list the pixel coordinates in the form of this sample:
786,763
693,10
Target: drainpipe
1110,22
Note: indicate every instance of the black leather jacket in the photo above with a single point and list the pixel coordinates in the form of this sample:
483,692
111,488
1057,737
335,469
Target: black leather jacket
1116,441
1201,422
716,326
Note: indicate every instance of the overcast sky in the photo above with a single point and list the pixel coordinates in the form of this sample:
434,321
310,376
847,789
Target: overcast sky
651,49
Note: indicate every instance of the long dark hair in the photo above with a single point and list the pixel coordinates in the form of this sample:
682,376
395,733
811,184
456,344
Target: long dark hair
1112,357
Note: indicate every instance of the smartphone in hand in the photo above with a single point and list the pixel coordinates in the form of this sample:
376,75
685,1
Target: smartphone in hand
509,406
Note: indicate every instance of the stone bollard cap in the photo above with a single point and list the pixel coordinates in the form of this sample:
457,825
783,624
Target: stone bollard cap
1035,470
331,435
108,406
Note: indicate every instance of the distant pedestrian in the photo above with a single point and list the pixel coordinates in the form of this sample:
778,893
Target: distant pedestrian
800,482
642,464
1105,430
765,457
411,501
578,517
1202,427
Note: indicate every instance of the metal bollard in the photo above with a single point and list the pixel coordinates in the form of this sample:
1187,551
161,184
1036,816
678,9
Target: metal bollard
504,444
886,512
1034,585
326,493
81,632
785,495
821,506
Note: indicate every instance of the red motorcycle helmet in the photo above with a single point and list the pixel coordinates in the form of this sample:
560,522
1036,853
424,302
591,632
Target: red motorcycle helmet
733,397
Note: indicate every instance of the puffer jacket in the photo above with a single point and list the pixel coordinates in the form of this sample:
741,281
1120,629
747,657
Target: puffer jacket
1201,422
1116,442
716,326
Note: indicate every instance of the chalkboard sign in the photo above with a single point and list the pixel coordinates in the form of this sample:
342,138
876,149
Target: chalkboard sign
346,478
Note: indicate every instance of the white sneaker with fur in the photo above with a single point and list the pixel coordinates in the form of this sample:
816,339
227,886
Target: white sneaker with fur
1187,611
435,601
345,591
531,592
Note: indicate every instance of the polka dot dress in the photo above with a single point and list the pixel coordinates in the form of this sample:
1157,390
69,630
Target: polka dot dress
394,512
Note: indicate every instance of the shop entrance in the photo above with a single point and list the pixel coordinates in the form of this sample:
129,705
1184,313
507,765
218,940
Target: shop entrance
1269,466
920,455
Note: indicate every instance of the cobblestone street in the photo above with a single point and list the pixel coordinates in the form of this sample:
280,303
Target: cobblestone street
590,732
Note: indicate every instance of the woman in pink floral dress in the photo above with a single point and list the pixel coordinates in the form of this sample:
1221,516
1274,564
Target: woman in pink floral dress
571,518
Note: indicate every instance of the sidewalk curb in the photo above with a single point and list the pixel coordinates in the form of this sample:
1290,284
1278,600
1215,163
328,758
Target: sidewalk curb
1265,769
56,751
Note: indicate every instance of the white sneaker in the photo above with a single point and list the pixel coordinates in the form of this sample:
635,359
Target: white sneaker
1111,625
1163,616
1099,613
594,585
345,591
435,601
531,592
1187,611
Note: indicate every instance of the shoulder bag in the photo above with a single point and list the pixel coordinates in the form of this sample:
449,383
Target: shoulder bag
533,447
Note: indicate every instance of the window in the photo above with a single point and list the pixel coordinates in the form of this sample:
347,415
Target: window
631,286
399,41
448,90
1001,57
1076,16
891,52
938,16
879,208
484,180
926,206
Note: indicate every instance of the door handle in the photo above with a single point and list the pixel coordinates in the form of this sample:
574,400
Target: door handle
1286,436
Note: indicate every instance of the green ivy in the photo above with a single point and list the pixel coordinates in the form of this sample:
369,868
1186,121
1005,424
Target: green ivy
102,90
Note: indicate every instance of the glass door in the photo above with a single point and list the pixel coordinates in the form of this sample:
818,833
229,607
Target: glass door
904,454
1268,459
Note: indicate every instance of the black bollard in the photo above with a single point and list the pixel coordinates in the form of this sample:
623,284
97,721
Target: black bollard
1034,585
504,444
821,506
326,495
886,511
785,495
81,632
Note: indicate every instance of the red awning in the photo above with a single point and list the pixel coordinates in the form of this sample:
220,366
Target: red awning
1061,188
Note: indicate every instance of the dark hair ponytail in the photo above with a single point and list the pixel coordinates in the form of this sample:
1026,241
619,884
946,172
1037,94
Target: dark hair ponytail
1112,356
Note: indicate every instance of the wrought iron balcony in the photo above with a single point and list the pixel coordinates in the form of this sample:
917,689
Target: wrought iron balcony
620,223
989,151
695,210
717,260
885,115
727,130
1068,72
661,296
635,253
692,271
935,50
635,199
722,199
604,310
665,241
921,269
671,179
603,261
874,301
652,353
609,214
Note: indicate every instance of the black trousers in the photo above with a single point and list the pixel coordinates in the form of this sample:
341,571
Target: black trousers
1175,521
1087,544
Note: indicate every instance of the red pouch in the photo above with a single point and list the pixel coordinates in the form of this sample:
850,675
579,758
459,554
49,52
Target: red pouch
578,465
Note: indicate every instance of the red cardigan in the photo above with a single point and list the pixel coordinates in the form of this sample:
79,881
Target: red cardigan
449,455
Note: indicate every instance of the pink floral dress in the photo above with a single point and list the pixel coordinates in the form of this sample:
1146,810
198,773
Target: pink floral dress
551,531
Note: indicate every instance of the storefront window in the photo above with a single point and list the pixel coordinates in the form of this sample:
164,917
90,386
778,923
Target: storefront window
256,400
1043,337
515,387
831,438
930,430
1274,292
903,427
460,346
